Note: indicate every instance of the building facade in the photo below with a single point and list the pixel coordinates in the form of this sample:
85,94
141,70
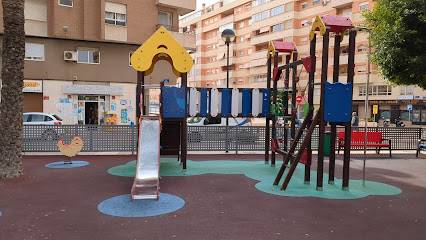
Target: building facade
257,22
77,57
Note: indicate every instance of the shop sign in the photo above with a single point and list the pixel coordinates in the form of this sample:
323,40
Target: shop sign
405,97
93,89
383,101
123,102
375,109
33,86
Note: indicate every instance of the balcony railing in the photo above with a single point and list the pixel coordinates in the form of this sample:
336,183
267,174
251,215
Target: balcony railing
176,29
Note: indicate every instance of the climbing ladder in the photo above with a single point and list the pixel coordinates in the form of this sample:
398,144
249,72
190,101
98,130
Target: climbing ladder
290,154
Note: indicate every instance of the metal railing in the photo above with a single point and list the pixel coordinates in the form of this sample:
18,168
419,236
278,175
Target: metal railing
102,138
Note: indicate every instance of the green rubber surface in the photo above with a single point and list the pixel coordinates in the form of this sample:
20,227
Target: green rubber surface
266,174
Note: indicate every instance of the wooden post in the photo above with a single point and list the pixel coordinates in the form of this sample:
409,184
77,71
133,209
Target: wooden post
311,105
267,128
285,100
184,127
274,117
336,64
348,127
293,97
324,68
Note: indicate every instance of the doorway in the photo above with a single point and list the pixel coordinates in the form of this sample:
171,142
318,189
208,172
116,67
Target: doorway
91,113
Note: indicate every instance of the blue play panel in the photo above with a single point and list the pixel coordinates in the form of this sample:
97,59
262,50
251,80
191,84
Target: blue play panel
122,206
62,165
1,213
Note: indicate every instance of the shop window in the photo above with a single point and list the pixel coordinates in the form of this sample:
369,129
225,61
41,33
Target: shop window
66,3
34,51
91,56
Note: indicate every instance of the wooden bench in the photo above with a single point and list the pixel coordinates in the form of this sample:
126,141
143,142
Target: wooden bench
374,139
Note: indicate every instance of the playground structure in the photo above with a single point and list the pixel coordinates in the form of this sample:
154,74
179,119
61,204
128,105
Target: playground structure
335,100
177,103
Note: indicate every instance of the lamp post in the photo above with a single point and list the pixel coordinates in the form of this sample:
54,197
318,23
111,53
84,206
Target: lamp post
228,36
360,28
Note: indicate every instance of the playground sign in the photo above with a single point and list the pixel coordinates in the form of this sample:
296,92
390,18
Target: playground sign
409,107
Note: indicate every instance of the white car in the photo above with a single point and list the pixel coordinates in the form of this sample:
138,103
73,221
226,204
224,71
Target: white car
37,118
38,126
202,121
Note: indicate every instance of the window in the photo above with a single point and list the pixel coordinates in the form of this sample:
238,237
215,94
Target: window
277,10
34,51
250,22
241,53
248,6
240,81
239,10
249,51
259,2
363,6
241,39
305,5
361,68
166,19
304,40
315,2
208,48
407,90
115,18
240,66
208,72
213,46
67,3
213,59
362,48
37,118
376,90
278,27
88,56
208,59
289,7
288,24
260,16
241,24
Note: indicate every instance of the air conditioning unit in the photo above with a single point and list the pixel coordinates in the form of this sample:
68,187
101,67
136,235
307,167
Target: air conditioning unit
70,55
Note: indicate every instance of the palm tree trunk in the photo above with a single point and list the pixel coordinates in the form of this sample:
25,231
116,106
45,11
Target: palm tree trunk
11,94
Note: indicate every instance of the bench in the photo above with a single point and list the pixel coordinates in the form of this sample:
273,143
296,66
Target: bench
374,139
421,146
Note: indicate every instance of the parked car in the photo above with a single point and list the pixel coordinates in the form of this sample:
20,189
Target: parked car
196,135
42,133
203,121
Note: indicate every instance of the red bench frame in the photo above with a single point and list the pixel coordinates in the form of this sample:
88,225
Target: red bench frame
374,139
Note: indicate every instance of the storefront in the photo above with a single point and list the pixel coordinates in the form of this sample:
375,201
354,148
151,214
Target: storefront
33,96
109,104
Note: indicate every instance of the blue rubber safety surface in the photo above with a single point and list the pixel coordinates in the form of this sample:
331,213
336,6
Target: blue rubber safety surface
122,206
0,213
62,165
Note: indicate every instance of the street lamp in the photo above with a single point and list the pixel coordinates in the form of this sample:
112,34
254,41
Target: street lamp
228,36
360,28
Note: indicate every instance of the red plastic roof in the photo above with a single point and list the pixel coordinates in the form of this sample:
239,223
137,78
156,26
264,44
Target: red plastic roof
284,46
337,23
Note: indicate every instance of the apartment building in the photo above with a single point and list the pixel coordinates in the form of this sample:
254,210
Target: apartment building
77,57
257,22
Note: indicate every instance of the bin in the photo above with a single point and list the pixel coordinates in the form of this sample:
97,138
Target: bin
327,139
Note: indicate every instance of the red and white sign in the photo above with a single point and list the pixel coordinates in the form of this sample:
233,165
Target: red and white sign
299,99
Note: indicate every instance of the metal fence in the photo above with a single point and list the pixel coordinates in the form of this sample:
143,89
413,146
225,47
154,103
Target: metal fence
101,138
43,138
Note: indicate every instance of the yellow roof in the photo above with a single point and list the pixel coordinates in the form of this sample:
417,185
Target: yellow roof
161,46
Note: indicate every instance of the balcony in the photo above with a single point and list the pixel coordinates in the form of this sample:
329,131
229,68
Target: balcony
186,39
341,3
183,7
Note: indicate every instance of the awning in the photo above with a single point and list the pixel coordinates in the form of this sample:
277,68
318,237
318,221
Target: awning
220,55
264,29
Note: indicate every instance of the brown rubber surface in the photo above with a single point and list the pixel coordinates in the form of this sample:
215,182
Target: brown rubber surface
62,204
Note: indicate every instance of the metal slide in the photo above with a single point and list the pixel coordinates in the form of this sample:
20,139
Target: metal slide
146,184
